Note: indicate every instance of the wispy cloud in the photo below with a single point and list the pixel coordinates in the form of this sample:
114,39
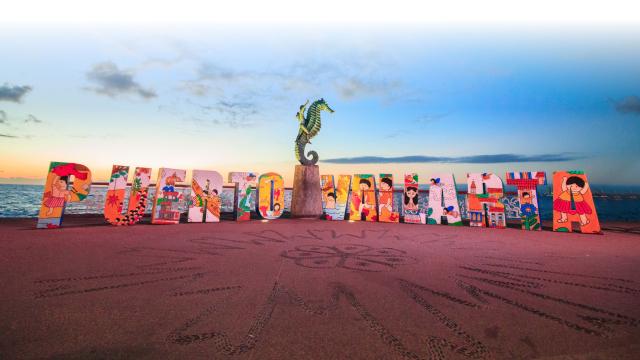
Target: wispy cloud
8,136
32,119
431,118
227,112
473,159
420,122
243,93
14,93
349,76
628,105
112,81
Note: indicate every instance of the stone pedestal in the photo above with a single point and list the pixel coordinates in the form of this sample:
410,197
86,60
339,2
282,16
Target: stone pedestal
306,201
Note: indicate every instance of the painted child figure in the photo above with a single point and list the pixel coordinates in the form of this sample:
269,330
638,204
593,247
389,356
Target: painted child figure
385,200
216,204
276,212
330,201
450,211
572,187
364,207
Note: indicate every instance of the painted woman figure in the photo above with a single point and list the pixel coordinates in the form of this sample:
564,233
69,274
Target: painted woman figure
411,198
574,187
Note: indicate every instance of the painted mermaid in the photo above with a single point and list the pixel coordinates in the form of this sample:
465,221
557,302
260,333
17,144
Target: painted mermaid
574,187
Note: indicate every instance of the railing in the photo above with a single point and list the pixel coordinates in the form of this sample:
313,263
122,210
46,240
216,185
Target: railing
230,186
94,203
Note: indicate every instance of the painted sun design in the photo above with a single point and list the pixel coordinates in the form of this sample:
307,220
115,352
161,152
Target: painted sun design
348,256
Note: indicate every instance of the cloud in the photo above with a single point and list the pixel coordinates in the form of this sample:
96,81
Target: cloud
228,112
13,93
272,89
359,87
349,76
431,118
8,136
628,105
474,159
112,81
32,119
3,117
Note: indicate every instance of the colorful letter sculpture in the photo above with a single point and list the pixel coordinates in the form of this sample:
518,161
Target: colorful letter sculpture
56,192
568,187
483,200
410,199
385,200
363,198
114,201
205,203
245,181
334,199
527,183
443,201
270,195
167,200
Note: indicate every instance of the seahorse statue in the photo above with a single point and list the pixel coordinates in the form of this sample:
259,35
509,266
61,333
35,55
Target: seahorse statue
309,127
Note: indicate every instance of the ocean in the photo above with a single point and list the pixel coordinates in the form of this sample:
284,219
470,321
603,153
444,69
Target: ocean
613,203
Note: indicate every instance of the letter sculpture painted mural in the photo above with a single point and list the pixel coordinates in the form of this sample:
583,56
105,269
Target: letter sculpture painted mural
385,200
363,198
573,204
410,204
57,193
309,127
443,201
573,186
114,200
270,195
334,198
205,204
484,204
167,199
245,182
527,185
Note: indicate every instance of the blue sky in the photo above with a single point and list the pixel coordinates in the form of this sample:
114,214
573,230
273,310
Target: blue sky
224,97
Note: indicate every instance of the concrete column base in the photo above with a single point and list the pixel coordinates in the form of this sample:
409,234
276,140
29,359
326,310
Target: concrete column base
306,201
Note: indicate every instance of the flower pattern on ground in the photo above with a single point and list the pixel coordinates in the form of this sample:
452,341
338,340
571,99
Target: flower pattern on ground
348,256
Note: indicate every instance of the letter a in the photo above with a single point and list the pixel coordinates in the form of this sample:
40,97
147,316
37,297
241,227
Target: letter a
573,187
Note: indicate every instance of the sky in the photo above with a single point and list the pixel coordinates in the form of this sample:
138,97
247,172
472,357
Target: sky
488,89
